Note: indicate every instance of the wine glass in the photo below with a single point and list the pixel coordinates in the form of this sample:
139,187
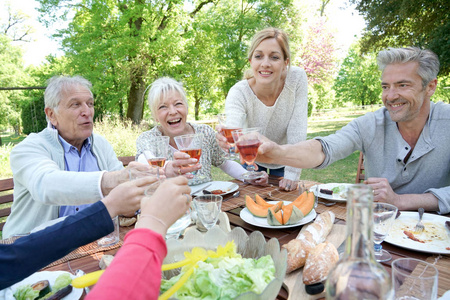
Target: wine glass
247,141
175,230
192,145
229,123
383,217
208,209
156,152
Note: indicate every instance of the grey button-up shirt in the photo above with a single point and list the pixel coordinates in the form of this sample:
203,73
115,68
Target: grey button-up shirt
377,136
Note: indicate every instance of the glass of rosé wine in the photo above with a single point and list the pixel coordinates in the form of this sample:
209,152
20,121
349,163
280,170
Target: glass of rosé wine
229,123
247,142
192,145
156,152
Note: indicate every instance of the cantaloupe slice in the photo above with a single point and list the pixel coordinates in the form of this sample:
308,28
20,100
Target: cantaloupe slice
307,205
261,201
291,214
254,208
275,214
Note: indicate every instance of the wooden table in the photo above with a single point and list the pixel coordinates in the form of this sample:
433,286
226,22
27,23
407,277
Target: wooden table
233,206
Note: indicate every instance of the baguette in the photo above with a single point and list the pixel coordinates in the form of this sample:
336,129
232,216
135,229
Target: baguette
309,236
319,263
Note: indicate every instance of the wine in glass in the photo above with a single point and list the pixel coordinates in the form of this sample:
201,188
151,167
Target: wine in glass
247,142
229,123
208,208
156,152
383,218
192,145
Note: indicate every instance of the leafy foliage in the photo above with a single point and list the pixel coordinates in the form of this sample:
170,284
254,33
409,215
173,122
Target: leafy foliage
358,79
395,23
33,115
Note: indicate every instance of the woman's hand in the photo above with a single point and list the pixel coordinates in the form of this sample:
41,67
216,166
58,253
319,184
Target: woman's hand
263,181
167,204
288,185
221,139
182,164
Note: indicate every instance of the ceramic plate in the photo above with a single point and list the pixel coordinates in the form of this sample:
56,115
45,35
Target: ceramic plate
340,197
247,216
225,186
436,237
45,275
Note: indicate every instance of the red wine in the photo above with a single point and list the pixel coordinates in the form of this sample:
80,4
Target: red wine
227,133
248,149
193,153
157,161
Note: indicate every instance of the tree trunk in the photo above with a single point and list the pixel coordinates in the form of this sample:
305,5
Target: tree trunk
135,97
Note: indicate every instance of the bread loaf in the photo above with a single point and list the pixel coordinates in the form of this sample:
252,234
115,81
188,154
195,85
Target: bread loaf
319,263
309,236
125,222
105,261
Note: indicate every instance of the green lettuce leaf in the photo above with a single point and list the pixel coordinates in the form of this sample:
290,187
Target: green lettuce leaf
25,292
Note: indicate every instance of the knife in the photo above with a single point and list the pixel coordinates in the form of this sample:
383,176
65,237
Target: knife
200,189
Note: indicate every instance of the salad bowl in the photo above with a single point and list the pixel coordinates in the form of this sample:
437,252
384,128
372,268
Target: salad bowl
248,246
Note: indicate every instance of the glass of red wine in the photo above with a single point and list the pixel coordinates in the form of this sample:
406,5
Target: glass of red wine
156,152
247,142
229,123
191,144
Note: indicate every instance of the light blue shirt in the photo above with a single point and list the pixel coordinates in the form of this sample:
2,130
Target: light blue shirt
77,162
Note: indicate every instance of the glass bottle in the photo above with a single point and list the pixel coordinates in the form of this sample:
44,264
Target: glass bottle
358,275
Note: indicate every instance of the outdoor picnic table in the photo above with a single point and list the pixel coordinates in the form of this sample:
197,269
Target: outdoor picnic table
88,259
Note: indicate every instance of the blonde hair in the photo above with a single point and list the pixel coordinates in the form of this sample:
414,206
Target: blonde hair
269,33
159,90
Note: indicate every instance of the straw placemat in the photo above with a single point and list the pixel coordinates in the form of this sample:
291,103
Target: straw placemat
442,263
273,193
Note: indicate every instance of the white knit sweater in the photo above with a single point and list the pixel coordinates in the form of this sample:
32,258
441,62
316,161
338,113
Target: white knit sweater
285,122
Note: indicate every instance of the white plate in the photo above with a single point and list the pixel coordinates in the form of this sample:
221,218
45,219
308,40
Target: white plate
44,275
434,224
226,186
329,186
247,216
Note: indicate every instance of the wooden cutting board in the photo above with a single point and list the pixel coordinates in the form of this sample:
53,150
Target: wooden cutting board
294,282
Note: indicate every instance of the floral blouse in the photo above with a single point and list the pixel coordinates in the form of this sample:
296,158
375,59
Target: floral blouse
212,154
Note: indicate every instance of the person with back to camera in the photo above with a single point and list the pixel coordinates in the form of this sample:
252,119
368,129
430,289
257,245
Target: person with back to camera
65,167
405,143
273,95
169,107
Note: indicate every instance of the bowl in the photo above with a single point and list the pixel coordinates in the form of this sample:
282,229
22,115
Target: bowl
249,246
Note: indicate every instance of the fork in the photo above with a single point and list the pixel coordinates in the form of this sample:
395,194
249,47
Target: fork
419,226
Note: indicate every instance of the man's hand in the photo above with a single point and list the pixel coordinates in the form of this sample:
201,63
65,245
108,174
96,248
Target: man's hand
382,191
263,181
288,185
134,170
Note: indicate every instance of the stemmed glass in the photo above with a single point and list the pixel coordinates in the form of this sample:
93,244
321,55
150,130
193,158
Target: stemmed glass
208,208
229,123
175,230
192,145
383,218
247,141
156,152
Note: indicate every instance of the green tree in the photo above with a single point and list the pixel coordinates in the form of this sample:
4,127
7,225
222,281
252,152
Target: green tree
394,23
358,80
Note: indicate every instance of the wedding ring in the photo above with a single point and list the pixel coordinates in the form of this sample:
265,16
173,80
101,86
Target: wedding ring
188,200
179,171
288,187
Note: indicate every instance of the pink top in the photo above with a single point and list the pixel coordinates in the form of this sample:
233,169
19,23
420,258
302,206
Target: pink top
135,272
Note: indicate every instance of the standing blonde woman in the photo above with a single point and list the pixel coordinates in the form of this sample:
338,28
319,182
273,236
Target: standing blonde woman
273,94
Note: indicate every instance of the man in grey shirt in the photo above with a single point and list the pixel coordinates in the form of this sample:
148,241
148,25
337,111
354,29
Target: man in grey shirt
406,143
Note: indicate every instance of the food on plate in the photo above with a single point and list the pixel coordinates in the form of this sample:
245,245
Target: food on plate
62,282
217,192
223,274
411,236
326,191
319,263
309,236
43,287
340,190
280,214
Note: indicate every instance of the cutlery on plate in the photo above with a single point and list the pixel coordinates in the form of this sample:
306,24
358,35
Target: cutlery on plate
419,226
203,188
326,203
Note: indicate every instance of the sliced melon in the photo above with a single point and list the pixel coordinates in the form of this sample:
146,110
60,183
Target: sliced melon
275,214
254,208
261,201
291,214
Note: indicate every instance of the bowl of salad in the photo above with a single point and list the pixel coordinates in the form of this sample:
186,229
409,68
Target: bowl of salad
223,265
